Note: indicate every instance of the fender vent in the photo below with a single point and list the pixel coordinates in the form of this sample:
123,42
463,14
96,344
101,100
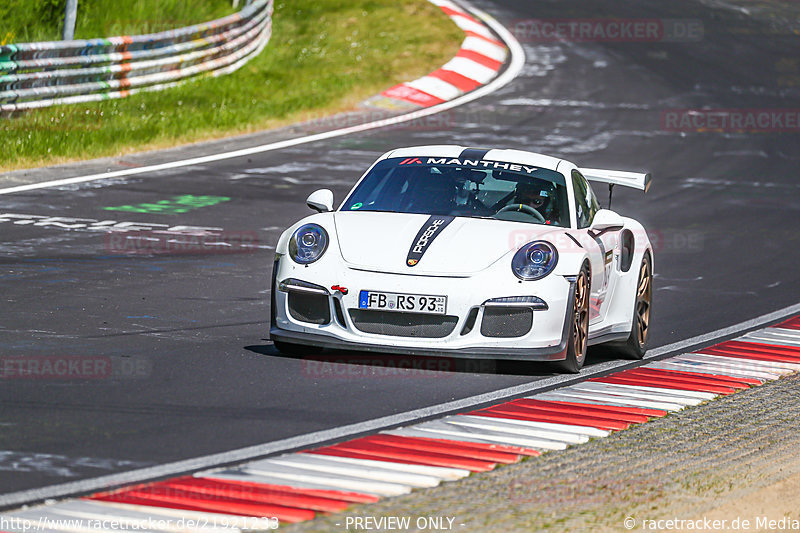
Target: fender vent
626,258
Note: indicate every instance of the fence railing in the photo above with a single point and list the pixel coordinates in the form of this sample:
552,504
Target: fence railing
34,75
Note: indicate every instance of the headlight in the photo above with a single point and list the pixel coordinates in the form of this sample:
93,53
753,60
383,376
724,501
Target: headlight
534,261
308,243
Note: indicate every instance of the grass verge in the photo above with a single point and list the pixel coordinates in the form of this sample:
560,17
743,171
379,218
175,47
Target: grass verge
324,57
23,21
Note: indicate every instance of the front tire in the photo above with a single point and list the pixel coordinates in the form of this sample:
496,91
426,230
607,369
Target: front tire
636,345
579,326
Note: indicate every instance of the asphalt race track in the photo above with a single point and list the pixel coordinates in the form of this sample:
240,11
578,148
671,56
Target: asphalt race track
178,364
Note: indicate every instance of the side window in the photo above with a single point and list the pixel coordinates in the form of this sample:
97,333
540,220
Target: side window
582,210
586,205
591,199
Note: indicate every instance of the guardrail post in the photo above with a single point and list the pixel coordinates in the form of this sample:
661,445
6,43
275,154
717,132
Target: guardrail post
69,20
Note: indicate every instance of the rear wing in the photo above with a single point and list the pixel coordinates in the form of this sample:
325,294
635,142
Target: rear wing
618,177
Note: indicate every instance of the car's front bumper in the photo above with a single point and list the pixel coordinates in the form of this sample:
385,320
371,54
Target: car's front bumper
546,340
550,353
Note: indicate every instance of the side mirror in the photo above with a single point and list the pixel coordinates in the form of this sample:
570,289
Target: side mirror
321,200
606,219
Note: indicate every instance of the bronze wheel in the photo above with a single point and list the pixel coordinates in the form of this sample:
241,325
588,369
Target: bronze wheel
581,327
636,345
579,324
643,299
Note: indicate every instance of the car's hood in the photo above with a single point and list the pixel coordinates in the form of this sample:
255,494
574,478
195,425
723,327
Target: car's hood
382,242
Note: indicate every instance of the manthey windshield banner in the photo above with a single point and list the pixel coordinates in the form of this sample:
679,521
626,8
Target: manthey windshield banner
474,163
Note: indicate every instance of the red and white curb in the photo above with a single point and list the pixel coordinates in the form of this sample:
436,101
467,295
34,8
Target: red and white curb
297,486
477,63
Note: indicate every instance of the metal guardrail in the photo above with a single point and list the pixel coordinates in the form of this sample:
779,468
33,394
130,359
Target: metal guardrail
35,75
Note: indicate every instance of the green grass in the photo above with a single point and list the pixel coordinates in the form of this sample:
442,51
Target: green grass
324,56
42,20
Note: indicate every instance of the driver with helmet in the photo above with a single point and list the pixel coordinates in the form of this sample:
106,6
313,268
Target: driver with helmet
540,195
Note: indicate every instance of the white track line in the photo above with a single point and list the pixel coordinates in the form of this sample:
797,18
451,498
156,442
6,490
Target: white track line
481,46
412,431
291,474
617,392
701,368
498,436
441,472
564,428
485,437
740,369
311,439
600,400
469,68
769,366
514,67
612,399
320,463
435,87
712,367
498,424
679,394
772,367
266,479
786,337
786,331
636,392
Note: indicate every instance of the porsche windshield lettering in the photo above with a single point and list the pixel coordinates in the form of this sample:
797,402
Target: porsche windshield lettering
464,188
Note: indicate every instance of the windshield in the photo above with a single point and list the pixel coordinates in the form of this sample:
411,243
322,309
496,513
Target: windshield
447,186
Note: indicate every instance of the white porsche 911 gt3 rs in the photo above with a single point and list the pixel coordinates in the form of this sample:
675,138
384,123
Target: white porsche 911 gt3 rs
463,252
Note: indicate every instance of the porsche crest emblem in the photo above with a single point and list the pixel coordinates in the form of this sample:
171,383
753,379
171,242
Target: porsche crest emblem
412,262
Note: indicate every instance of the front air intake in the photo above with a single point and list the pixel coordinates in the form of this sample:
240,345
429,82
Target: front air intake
403,324
505,322
311,308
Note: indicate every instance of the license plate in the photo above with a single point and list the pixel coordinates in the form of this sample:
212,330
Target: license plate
404,303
